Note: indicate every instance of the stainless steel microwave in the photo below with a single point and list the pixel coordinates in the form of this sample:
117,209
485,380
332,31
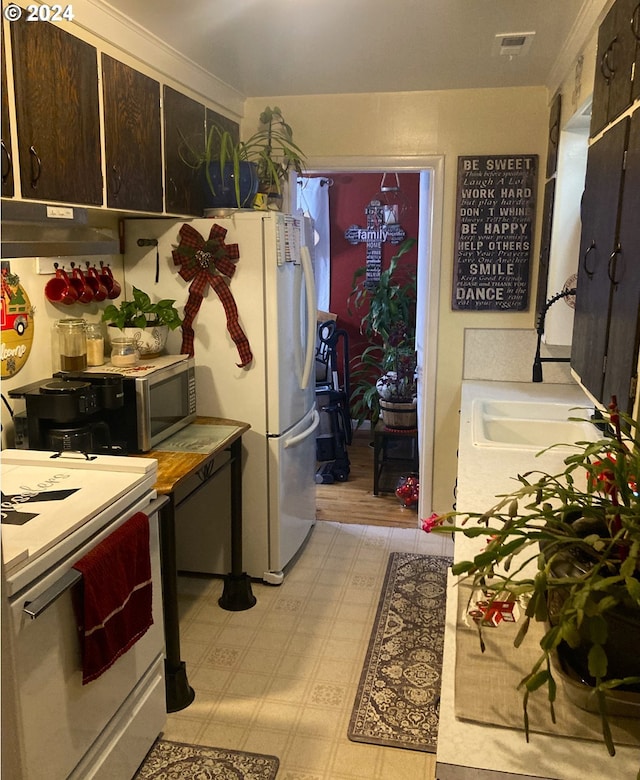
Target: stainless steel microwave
156,405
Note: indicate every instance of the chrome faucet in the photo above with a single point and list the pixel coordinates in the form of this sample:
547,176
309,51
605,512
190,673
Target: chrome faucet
538,361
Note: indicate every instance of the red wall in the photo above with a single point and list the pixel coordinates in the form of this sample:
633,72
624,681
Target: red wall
349,194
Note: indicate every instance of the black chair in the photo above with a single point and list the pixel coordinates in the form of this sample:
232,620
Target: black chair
332,399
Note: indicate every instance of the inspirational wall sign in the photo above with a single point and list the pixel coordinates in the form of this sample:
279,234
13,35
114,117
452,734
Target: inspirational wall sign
495,210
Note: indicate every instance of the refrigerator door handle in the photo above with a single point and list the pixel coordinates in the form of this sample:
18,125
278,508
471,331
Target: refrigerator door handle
312,315
294,440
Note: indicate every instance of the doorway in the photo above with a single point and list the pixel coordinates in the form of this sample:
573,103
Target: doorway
431,171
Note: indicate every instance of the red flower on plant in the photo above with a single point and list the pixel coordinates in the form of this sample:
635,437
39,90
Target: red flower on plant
429,523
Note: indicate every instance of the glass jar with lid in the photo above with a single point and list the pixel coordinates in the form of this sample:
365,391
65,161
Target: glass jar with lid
72,344
123,352
95,344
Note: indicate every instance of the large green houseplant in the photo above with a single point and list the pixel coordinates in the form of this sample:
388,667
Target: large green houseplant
386,368
274,151
235,170
567,546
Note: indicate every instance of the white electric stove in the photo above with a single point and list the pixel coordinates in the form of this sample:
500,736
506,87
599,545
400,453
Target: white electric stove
55,509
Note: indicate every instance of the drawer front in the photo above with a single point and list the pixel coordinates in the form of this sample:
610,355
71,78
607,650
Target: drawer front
202,475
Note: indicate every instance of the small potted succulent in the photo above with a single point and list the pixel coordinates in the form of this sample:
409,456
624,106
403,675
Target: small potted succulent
146,322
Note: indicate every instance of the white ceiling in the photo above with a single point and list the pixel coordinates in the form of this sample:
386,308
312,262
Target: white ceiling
300,47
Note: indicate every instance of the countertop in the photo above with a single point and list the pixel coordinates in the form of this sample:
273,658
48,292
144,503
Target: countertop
483,473
176,460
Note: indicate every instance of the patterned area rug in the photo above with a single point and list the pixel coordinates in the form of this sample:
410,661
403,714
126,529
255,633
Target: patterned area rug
177,761
398,697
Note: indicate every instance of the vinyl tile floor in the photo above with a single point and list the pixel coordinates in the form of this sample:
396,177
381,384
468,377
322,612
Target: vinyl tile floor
281,677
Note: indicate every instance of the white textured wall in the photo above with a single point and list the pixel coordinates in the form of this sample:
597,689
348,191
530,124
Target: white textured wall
451,123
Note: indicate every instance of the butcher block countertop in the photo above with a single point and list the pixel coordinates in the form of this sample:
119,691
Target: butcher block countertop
184,452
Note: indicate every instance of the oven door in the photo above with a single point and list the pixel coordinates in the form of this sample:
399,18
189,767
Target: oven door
63,722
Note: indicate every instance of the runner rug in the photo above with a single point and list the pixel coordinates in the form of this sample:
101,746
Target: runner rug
398,697
178,761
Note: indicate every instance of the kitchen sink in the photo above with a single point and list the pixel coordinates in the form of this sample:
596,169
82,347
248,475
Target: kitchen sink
529,425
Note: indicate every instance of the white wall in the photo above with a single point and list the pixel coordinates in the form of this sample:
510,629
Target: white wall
405,125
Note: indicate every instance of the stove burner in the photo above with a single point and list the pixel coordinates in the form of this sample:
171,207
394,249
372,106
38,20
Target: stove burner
60,386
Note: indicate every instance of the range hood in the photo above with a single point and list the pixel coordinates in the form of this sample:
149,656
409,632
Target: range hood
40,230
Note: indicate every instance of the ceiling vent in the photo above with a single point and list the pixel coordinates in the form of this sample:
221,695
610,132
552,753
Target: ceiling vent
513,44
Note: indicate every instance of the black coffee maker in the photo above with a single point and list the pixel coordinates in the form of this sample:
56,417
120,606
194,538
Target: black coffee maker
66,413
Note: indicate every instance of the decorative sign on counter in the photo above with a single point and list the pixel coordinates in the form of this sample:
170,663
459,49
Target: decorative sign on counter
495,209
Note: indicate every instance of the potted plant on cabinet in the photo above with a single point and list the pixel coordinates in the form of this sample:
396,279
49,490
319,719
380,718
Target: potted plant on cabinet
275,153
146,322
568,547
384,375
230,177
234,171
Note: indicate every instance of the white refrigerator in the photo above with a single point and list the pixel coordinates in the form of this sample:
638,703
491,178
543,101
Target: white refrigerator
273,289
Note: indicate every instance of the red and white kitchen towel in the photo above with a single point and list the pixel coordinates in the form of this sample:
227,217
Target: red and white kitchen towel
114,608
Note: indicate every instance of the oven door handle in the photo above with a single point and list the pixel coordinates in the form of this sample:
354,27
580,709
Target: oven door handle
36,607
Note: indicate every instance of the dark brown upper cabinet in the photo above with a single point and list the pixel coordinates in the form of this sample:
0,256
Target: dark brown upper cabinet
553,141
133,149
5,143
618,42
184,119
635,29
606,330
58,125
603,188
624,272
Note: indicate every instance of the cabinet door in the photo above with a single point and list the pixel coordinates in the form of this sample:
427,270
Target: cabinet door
635,29
183,119
600,106
554,136
132,138
622,350
56,87
5,148
599,221
545,246
623,58
617,39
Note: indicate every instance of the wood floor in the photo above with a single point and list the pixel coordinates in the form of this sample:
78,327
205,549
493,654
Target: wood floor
353,501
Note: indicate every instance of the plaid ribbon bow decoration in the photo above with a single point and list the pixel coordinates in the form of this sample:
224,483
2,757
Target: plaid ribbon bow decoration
208,263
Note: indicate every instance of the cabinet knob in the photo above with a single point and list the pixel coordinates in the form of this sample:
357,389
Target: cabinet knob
612,267
118,180
607,64
36,167
635,22
7,164
588,271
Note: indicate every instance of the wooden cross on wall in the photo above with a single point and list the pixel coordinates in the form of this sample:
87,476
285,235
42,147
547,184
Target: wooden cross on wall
374,235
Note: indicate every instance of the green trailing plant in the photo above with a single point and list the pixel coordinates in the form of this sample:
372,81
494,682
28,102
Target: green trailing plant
568,546
271,149
142,312
387,365
222,148
274,151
